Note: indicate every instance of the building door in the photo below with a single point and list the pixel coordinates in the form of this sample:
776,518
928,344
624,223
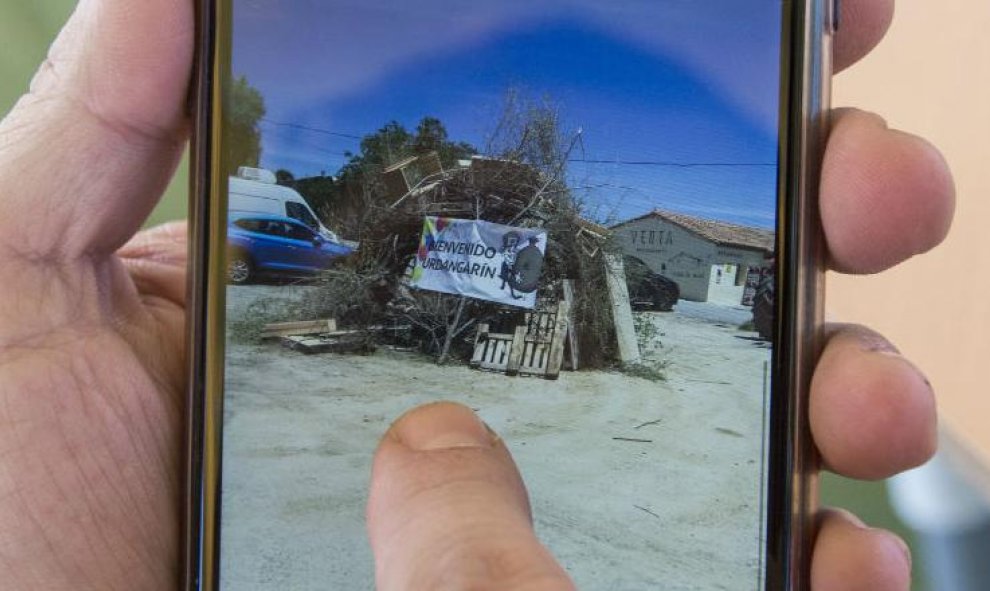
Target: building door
724,288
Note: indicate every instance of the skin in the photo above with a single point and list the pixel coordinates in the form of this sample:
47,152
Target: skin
92,355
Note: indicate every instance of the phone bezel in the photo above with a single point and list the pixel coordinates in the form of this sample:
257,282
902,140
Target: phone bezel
791,487
806,70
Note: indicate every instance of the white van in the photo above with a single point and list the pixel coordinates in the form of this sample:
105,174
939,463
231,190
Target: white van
255,190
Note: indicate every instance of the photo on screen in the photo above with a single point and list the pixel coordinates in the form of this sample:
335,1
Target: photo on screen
559,213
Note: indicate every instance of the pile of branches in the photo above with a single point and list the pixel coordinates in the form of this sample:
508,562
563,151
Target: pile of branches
521,185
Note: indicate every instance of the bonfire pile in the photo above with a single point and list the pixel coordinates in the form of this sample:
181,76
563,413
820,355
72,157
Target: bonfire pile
524,186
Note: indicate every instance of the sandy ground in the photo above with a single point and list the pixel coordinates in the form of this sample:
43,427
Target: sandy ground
679,512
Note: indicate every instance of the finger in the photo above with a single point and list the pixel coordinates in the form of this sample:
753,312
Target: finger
849,556
872,412
885,195
448,509
88,151
156,261
863,24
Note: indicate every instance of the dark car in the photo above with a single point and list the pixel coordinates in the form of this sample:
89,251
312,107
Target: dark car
763,304
649,290
263,244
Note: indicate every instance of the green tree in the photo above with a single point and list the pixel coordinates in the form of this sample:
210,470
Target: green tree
393,142
431,136
245,109
358,185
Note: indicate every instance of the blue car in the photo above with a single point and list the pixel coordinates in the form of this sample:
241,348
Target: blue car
264,244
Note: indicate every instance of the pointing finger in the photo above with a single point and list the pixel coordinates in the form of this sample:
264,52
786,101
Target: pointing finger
448,509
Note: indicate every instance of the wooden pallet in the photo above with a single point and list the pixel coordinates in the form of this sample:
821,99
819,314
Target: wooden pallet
535,348
291,329
321,336
337,342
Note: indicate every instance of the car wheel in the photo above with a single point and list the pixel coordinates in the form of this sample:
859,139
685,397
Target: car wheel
239,269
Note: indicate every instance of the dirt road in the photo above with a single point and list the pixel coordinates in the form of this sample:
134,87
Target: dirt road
679,512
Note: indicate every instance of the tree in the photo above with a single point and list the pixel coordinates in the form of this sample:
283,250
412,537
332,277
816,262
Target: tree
284,177
393,143
386,146
431,136
245,108
358,187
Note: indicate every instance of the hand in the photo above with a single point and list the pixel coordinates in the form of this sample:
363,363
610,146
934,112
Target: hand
92,361
92,345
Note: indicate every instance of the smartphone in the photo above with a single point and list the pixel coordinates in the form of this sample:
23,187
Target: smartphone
594,223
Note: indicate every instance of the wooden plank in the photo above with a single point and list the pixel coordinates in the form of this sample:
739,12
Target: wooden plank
530,358
505,346
533,358
495,352
338,333
546,320
488,354
319,344
572,339
480,338
498,348
289,329
516,351
625,328
556,357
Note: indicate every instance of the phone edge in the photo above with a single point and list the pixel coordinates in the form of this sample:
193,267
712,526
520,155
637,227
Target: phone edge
200,512
806,58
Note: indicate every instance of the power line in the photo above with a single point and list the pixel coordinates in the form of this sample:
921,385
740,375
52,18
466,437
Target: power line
308,144
619,162
312,129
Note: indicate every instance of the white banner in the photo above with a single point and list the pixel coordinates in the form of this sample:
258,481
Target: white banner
480,260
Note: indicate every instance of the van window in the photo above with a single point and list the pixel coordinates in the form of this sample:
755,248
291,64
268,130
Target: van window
298,211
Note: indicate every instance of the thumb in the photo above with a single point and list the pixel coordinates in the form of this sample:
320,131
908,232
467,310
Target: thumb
85,155
448,509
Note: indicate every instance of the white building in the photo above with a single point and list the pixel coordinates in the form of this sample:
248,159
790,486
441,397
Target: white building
708,259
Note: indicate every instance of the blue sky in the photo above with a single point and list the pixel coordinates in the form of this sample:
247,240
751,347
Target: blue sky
664,81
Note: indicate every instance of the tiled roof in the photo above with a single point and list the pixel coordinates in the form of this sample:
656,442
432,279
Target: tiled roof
721,233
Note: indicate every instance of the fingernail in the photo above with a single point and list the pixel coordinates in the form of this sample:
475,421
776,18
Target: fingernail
917,371
443,426
875,343
890,538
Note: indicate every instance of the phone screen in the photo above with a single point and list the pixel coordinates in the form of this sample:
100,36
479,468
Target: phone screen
560,213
